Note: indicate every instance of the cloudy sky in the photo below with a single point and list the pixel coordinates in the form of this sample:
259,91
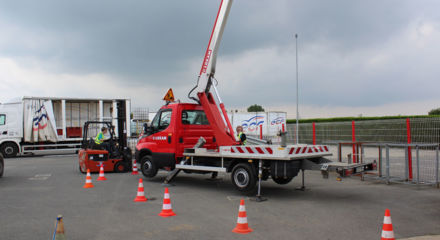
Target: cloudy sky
379,57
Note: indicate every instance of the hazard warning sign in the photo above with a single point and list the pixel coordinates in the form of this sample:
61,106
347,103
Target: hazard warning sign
169,96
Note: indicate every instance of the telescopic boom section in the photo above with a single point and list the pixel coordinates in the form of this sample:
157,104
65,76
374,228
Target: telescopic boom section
219,120
209,61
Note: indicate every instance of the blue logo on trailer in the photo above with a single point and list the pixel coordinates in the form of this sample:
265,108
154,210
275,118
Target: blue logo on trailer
40,120
252,123
276,121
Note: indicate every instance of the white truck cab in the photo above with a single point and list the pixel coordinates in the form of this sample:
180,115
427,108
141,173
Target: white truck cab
11,127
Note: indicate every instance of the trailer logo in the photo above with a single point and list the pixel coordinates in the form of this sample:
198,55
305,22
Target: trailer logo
252,123
40,119
276,121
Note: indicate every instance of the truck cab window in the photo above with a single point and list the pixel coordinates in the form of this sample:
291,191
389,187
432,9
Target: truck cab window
194,117
162,120
2,119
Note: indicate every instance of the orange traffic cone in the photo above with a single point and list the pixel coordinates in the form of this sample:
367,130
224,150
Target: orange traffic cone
167,210
135,168
101,174
140,197
89,183
387,228
242,224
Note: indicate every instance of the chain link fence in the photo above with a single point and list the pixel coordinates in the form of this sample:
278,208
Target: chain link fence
384,141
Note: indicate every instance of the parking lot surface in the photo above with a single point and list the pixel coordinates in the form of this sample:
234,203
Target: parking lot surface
34,190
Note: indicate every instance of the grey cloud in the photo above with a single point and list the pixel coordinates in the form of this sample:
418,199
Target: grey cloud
153,42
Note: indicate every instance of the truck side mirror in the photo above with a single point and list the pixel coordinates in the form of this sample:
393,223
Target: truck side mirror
147,129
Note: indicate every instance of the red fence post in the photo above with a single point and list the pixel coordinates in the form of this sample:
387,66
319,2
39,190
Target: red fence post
261,131
353,139
408,136
314,133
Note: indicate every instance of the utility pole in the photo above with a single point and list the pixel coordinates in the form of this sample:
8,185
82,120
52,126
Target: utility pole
297,109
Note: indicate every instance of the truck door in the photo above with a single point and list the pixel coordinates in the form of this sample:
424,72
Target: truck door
162,128
194,125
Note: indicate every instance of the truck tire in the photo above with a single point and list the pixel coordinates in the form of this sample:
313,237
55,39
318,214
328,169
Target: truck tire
243,177
281,180
121,167
148,167
9,149
2,166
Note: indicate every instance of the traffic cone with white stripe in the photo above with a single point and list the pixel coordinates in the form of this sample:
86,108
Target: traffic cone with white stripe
167,210
387,228
89,183
101,174
242,224
140,197
135,168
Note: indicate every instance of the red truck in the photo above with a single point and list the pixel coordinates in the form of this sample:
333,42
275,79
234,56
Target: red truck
175,127
198,138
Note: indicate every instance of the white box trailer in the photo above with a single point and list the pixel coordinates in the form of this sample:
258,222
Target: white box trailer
49,125
269,122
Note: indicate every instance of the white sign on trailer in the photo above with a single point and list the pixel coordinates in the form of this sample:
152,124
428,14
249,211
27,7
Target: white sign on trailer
270,122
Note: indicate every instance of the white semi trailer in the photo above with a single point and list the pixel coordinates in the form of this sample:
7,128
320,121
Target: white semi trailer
49,125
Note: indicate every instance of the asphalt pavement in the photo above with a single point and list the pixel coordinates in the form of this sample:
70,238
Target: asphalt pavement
34,190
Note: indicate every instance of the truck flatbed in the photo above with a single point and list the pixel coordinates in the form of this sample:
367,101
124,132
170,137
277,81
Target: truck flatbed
266,152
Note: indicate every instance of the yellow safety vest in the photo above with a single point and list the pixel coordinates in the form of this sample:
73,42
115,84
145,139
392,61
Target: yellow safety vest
239,138
99,138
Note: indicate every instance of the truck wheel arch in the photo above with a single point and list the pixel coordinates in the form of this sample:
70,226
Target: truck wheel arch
238,161
142,153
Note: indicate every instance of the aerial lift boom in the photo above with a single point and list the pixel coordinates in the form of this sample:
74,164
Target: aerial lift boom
219,121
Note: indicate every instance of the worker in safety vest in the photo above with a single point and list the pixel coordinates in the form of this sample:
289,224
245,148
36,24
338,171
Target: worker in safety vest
99,139
241,137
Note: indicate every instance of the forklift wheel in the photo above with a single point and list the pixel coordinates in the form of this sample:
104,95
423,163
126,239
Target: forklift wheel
121,167
81,171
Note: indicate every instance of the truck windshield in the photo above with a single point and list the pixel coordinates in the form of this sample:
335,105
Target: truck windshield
162,120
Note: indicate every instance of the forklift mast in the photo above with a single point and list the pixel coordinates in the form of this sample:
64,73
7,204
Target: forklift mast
122,130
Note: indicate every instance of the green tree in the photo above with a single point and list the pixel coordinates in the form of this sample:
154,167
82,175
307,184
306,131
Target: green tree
435,111
255,108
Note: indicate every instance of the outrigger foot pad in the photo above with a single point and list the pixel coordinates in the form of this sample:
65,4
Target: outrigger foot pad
259,199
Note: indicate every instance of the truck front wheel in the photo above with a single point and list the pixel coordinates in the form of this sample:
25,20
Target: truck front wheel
148,167
243,177
9,149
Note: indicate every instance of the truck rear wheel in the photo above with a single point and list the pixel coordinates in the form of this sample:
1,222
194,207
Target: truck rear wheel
148,167
281,180
9,149
243,177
